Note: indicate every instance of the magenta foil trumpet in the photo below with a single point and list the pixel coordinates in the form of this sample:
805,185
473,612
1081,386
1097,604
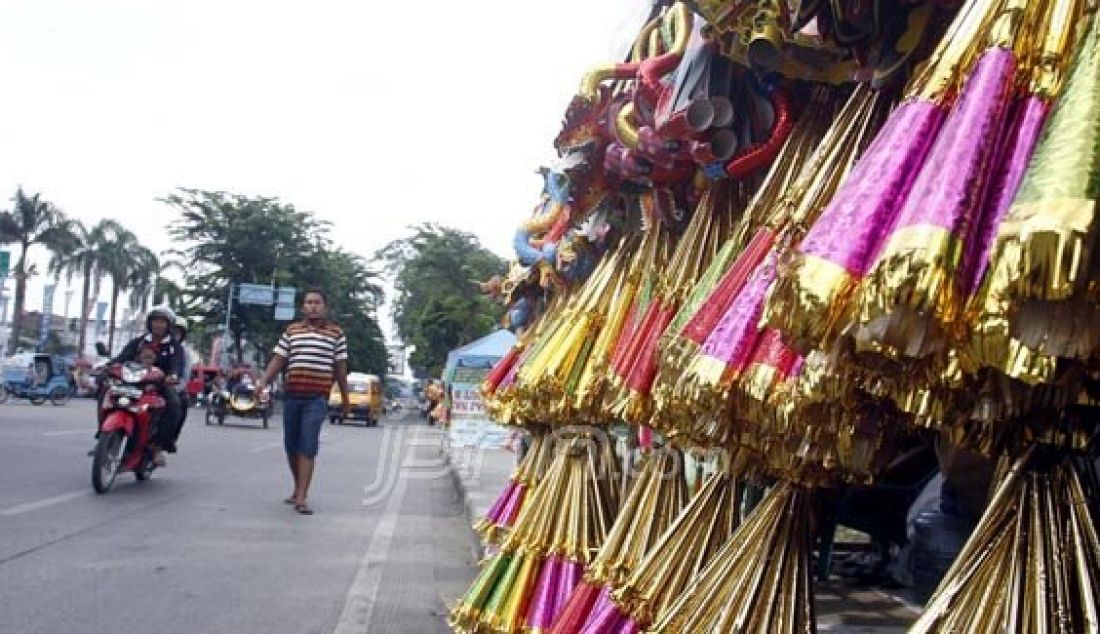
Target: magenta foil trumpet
1017,145
606,617
544,606
913,312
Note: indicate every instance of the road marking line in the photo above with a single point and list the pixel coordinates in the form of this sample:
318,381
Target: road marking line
61,433
358,609
19,509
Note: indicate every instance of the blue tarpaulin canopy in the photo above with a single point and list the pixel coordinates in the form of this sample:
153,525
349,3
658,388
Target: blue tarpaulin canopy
480,354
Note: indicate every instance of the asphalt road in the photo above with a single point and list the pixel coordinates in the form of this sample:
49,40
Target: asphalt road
207,544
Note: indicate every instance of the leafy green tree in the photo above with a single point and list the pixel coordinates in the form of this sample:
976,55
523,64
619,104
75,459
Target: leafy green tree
32,221
353,298
235,239
438,306
232,239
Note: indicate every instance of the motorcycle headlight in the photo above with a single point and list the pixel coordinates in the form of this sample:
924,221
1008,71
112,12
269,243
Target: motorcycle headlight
133,375
124,401
126,391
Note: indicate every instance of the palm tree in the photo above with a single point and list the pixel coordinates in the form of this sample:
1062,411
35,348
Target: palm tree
117,249
142,279
166,290
86,260
31,221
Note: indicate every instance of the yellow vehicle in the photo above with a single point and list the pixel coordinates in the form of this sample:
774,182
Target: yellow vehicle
364,395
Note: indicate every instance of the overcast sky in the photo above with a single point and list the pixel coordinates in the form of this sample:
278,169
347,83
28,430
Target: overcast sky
373,115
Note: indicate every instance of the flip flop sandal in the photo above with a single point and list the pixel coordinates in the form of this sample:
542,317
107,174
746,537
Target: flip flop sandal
288,501
303,509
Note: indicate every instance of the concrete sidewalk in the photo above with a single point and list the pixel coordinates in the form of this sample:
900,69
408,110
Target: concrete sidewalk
480,475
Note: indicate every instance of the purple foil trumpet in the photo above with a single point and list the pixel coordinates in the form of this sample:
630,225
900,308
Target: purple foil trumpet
544,606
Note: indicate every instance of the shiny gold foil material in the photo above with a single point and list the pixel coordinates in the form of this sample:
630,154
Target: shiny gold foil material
1056,41
1031,564
682,550
759,581
1045,255
912,295
822,289
937,79
654,500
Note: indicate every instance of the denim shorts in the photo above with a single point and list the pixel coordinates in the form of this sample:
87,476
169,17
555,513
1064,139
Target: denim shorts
303,417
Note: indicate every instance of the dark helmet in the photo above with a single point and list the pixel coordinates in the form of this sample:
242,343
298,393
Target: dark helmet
181,323
159,311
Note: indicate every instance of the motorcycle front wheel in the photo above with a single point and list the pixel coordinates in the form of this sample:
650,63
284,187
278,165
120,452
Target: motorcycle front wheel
107,460
145,472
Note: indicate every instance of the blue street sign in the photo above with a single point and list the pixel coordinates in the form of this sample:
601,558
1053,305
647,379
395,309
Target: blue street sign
284,304
257,294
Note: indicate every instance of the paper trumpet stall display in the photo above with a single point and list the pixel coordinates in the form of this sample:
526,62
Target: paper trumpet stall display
798,238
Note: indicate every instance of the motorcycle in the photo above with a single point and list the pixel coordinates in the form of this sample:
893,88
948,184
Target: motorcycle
131,402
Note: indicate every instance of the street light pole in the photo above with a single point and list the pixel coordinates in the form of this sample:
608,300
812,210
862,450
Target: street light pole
225,332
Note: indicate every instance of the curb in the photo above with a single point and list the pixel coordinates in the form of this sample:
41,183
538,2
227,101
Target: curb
477,548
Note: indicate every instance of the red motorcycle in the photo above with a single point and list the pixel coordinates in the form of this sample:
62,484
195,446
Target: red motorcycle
131,402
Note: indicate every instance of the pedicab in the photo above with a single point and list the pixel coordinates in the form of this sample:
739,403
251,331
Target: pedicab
46,379
240,400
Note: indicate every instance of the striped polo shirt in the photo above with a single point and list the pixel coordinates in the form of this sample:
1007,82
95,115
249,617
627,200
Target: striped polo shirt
311,353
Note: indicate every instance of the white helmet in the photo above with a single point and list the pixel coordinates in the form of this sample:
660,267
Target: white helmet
162,312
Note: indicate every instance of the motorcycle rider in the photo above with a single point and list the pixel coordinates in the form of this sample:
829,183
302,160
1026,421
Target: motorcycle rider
159,340
179,333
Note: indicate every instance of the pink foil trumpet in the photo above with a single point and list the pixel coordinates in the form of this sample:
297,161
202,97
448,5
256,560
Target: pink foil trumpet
565,520
576,608
812,303
493,515
510,511
912,296
569,578
726,352
656,497
544,603
991,343
605,617
1021,134
500,518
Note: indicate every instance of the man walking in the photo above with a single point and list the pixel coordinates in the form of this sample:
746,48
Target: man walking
314,353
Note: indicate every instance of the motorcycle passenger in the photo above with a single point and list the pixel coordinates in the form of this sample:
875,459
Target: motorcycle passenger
159,340
179,333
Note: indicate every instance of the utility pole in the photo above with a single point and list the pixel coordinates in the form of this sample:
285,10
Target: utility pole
225,332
